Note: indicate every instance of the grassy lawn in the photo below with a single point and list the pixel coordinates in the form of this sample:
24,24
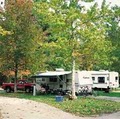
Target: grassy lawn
111,94
82,106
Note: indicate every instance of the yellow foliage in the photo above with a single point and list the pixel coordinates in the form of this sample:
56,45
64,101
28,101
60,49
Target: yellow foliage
3,32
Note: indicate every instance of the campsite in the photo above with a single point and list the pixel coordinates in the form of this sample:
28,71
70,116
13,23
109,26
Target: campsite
59,59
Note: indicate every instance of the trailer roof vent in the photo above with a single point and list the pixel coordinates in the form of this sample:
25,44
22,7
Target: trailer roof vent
59,69
103,70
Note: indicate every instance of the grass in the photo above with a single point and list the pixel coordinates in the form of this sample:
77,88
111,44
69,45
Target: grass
81,107
110,94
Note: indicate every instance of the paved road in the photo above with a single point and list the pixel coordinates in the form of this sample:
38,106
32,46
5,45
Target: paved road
117,99
14,108
109,116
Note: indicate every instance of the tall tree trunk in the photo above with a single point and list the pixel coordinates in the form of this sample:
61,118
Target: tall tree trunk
73,79
16,73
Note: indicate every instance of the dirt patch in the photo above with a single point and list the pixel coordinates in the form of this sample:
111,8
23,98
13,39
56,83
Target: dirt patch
14,108
0,115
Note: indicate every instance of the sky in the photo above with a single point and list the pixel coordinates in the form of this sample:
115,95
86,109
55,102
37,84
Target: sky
110,2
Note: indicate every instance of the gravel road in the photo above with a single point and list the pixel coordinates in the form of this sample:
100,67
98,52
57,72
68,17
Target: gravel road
117,99
14,108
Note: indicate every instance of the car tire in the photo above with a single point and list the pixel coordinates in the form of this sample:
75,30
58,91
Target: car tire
27,90
8,90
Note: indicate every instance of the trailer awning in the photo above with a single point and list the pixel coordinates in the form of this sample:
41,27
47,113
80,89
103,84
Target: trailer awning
52,73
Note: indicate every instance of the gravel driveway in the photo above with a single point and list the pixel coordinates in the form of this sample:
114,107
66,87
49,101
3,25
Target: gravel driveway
117,99
14,108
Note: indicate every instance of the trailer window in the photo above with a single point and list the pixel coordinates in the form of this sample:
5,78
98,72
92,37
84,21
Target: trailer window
53,79
101,79
43,79
67,80
93,78
116,78
61,86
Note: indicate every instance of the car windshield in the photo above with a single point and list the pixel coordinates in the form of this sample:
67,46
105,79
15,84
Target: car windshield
28,81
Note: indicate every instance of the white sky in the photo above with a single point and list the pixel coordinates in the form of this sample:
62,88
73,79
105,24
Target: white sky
110,2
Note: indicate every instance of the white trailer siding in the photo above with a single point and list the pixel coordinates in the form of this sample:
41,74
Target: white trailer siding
83,80
105,79
114,80
2,4
53,82
100,79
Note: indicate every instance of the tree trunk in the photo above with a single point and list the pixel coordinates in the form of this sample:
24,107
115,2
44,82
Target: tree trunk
73,80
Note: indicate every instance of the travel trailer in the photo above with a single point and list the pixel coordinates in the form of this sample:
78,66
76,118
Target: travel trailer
54,80
105,80
62,80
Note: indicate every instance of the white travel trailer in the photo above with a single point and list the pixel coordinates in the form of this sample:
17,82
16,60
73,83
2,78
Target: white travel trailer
62,80
84,80
104,79
56,80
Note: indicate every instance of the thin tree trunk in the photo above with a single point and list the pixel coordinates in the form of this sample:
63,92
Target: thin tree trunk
73,80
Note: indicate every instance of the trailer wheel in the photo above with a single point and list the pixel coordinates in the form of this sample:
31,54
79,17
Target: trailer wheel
76,93
8,89
107,90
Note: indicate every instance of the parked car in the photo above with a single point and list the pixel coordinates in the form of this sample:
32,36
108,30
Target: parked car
23,85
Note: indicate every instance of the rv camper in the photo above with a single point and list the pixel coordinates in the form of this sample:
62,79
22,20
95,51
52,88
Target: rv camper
62,80
54,80
105,80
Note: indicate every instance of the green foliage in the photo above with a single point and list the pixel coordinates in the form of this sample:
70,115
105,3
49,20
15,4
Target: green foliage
91,37
21,50
114,36
71,31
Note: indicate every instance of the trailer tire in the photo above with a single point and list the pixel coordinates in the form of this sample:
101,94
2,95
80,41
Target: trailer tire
76,93
8,89
107,90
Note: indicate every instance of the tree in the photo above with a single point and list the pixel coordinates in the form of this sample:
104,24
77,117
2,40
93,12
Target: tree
63,20
21,50
114,37
74,34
